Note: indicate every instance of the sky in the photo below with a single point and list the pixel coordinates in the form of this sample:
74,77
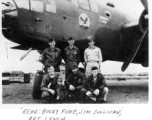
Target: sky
10,59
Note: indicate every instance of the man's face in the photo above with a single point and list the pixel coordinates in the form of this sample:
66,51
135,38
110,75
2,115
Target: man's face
91,44
51,71
74,70
94,73
71,42
52,44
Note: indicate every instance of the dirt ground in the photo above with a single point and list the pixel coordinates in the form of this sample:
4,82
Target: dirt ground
120,92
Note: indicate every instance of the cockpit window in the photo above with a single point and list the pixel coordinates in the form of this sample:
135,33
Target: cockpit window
74,2
84,4
94,7
37,5
51,6
22,4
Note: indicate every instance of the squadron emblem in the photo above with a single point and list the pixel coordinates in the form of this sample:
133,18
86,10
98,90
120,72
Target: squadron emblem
84,21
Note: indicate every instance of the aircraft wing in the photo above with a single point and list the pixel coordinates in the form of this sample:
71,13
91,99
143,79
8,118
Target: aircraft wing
129,25
20,47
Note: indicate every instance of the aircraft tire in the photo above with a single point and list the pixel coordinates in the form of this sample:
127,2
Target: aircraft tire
36,93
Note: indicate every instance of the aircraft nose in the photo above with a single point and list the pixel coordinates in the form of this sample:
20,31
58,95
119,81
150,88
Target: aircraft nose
9,15
8,6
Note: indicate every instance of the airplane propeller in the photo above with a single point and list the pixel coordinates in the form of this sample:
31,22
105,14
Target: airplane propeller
138,44
25,54
134,52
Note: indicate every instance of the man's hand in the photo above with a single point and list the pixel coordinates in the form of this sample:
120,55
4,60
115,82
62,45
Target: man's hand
49,85
96,92
71,87
88,93
40,58
52,91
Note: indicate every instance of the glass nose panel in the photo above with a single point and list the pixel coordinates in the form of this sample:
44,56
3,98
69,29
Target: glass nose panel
8,6
24,4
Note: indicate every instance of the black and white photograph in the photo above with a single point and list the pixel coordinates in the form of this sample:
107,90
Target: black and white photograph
74,52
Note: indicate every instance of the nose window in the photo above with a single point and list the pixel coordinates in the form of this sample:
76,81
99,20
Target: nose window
8,5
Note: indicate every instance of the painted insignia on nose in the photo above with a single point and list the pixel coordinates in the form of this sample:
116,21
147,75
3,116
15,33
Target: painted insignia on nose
84,21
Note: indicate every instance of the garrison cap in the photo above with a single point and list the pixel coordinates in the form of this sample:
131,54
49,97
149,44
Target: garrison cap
70,38
51,40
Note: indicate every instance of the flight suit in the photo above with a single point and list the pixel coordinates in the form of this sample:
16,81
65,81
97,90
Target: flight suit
50,57
78,80
71,56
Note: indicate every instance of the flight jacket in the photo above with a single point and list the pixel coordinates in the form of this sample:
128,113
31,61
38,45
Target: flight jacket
100,83
50,57
71,55
78,80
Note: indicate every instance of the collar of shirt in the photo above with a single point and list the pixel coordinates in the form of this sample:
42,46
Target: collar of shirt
76,73
72,48
96,77
51,76
55,49
92,47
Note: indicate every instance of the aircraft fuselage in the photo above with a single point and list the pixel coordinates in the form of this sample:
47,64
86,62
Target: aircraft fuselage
36,21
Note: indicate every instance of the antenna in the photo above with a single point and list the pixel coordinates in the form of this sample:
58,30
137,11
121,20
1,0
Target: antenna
6,50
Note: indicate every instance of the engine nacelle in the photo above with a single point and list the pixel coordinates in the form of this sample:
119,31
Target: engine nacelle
143,21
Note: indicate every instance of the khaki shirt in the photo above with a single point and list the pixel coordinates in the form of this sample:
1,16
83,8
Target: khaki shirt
92,55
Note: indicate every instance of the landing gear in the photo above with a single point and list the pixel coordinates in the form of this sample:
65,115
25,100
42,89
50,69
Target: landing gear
37,84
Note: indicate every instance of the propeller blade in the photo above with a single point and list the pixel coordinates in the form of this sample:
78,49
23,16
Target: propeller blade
145,4
134,52
25,54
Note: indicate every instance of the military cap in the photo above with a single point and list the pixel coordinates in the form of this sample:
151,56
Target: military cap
94,68
74,65
70,38
51,40
90,38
